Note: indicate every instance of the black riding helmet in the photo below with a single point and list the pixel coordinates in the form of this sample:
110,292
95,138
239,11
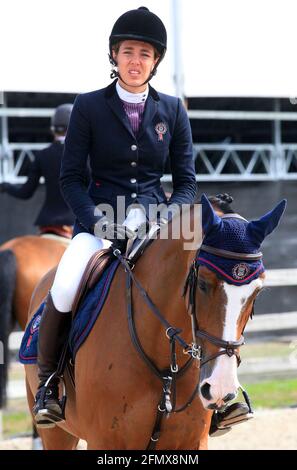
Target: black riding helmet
60,119
139,25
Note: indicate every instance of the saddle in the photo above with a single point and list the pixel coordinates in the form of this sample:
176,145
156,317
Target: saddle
136,247
94,269
103,258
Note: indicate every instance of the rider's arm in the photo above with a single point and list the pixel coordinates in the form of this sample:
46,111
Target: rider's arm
181,160
74,164
26,190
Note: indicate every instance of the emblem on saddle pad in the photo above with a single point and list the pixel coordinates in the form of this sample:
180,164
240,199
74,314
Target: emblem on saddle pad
240,271
161,130
36,322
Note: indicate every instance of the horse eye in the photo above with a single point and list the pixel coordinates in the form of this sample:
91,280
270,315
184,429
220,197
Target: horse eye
202,285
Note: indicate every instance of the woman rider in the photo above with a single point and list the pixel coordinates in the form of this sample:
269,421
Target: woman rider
127,131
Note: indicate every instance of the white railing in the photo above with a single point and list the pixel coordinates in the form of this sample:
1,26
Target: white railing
214,162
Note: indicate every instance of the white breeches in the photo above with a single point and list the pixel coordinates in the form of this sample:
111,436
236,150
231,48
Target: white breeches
75,260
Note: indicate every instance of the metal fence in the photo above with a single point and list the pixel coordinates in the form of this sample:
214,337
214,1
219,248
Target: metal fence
214,162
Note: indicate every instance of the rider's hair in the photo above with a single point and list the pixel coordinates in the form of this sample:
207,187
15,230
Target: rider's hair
222,202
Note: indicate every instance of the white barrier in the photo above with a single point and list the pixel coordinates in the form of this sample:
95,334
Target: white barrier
266,322
272,322
281,277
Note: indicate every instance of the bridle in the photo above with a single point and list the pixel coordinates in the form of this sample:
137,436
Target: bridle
227,347
168,376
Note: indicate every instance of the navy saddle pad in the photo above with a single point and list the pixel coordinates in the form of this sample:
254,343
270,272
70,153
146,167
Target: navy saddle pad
81,325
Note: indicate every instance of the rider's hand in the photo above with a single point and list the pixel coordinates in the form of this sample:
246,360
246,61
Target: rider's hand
163,221
118,232
167,213
108,230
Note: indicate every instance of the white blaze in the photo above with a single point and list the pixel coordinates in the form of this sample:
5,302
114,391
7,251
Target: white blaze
223,379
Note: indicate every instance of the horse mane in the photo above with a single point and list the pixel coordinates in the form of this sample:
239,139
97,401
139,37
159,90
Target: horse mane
222,202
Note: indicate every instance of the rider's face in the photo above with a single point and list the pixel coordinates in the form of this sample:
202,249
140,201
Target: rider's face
135,60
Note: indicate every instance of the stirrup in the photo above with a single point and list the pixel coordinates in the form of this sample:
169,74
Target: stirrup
222,422
46,417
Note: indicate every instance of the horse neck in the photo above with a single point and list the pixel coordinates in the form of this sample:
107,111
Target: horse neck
162,271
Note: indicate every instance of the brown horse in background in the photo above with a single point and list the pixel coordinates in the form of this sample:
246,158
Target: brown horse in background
23,262
116,396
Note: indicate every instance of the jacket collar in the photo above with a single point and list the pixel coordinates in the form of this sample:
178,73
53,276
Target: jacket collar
111,90
114,102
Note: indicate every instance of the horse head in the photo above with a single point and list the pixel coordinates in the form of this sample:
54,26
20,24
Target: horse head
229,276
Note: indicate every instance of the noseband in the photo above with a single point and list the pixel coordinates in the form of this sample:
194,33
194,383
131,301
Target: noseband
227,347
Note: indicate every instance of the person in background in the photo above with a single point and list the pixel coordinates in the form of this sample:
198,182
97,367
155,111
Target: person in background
55,216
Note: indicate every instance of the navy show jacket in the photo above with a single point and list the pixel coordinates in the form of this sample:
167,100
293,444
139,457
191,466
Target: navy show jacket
47,163
122,163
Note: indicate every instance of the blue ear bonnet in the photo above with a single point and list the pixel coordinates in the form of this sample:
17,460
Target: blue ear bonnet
232,234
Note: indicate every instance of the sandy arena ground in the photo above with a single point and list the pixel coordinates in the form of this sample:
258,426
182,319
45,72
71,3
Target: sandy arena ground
270,429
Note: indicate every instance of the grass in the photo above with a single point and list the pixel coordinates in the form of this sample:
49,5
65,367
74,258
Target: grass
273,394
16,422
16,418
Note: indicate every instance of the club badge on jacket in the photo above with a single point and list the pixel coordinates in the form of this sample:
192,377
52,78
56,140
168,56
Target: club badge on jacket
161,130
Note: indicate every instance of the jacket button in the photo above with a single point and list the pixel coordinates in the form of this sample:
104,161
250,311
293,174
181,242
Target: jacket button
133,164
133,180
133,147
133,195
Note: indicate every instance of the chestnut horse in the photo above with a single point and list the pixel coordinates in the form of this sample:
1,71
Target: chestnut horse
116,398
23,262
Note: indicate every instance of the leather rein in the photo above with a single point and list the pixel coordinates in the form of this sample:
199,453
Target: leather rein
169,376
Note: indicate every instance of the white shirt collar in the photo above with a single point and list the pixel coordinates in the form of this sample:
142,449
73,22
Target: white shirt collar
60,138
132,97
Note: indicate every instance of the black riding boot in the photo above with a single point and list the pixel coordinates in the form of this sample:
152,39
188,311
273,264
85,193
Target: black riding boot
53,333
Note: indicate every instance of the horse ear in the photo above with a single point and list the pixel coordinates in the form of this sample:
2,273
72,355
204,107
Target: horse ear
265,225
210,220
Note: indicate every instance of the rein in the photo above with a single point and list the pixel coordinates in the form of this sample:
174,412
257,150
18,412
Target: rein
168,376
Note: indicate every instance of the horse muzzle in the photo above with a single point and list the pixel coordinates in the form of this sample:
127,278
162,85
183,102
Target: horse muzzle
214,398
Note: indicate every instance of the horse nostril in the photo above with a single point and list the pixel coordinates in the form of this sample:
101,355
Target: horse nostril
205,391
229,397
